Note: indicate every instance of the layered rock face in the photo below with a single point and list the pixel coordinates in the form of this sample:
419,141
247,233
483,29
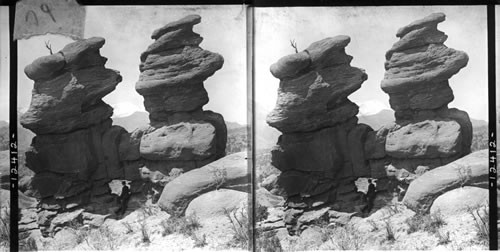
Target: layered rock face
321,152
181,134
427,133
75,152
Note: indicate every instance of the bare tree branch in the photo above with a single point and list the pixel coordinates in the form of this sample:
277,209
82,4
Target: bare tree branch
49,46
294,45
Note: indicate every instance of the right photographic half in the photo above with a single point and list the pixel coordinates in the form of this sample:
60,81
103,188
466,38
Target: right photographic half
371,128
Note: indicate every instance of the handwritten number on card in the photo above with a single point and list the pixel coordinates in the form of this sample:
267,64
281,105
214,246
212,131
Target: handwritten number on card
45,8
33,14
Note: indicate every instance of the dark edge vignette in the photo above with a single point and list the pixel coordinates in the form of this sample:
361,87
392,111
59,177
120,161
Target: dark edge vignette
251,123
14,207
492,128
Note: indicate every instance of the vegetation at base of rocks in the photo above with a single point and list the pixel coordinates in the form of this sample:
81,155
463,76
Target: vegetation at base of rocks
425,222
26,242
389,231
261,212
128,227
219,176
5,227
464,175
443,237
144,231
239,227
185,225
481,216
342,238
199,241
268,242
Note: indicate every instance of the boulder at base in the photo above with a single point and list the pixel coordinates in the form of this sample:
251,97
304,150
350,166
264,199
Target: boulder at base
469,170
461,200
229,171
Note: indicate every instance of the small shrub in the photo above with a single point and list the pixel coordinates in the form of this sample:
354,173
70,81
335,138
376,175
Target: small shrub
268,242
481,217
428,223
444,238
239,227
373,224
199,242
26,242
390,235
5,227
182,225
260,212
219,175
464,175
102,239
145,232
393,208
128,227
343,237
78,230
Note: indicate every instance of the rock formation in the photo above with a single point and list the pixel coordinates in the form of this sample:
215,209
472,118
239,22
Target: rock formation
229,172
471,170
427,134
321,151
180,134
75,152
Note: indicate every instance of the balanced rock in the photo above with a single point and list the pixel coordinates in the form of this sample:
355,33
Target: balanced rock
419,65
317,97
180,134
322,150
426,133
76,150
71,98
173,69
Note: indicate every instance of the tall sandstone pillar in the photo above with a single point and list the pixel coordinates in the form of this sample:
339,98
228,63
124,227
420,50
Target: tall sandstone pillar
427,134
321,151
173,68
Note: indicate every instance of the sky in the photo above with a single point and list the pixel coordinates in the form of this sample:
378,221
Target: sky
373,32
4,63
127,30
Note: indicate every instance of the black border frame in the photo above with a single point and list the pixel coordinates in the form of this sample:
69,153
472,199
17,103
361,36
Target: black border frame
490,4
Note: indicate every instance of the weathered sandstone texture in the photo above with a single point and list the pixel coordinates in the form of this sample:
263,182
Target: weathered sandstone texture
321,151
180,134
427,134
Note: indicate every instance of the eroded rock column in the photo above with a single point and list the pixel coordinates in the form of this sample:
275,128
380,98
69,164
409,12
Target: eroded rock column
75,152
181,134
321,150
427,133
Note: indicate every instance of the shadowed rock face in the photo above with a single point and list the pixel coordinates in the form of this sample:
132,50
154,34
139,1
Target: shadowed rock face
76,150
321,152
173,68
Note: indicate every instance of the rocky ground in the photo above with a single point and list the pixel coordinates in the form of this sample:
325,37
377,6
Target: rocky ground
149,228
390,227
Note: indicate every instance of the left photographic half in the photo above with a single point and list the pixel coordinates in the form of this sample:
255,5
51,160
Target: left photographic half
4,131
136,134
